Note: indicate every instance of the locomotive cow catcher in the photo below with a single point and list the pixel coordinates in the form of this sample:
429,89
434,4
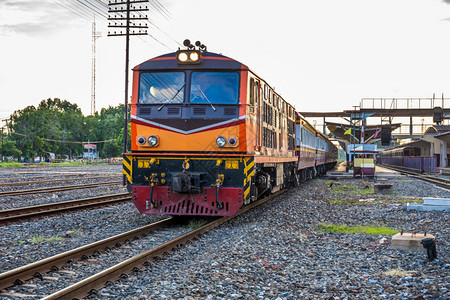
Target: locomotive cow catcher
209,136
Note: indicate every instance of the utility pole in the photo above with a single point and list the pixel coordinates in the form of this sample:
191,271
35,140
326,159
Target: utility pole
4,120
116,11
2,144
95,36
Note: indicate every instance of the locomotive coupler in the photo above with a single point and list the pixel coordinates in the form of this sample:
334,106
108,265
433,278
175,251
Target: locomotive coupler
219,182
153,182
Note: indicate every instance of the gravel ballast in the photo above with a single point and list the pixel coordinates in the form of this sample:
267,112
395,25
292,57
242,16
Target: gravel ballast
276,251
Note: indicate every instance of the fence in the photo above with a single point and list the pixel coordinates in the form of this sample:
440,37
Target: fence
420,163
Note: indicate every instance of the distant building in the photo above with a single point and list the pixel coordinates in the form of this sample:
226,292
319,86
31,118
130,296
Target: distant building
439,136
90,151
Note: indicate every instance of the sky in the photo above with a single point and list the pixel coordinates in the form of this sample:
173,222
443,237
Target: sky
320,55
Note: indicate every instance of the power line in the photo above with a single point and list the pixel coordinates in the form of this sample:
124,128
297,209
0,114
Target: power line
86,8
93,8
162,6
66,142
81,15
80,9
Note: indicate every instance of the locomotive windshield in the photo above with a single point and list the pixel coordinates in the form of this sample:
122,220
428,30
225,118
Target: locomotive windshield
214,87
205,88
162,87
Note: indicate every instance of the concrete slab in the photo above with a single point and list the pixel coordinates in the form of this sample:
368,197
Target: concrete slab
422,207
382,187
335,175
436,201
430,204
409,241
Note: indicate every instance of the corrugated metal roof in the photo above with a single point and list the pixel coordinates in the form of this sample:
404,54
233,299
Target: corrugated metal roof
438,129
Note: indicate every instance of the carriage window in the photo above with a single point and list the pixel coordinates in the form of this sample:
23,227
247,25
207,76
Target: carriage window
252,91
214,87
161,87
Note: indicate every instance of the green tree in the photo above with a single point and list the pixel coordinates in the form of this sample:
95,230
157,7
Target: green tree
59,126
111,128
9,148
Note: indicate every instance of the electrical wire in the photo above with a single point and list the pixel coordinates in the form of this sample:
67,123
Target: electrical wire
67,142
73,11
93,8
84,9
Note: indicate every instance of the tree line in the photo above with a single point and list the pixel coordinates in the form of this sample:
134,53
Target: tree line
60,127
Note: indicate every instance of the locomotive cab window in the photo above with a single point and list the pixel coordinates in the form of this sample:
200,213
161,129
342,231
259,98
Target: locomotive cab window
214,87
161,87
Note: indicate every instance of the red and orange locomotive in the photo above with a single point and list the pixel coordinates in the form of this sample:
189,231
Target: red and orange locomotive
209,136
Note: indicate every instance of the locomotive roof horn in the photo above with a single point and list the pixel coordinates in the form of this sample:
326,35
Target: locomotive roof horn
200,46
187,43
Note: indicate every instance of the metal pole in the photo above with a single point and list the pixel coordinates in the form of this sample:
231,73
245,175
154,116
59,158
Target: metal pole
2,144
411,125
324,127
127,54
354,146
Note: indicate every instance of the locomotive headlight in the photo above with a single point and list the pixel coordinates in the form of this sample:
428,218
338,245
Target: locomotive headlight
194,56
141,140
182,56
232,141
221,141
153,141
186,57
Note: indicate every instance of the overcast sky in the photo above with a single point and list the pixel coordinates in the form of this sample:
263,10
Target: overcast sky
320,55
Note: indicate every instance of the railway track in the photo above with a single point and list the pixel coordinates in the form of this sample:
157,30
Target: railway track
29,212
53,180
57,188
441,182
96,281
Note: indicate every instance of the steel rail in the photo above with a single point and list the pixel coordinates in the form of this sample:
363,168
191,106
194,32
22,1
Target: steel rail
28,212
97,281
19,275
57,188
39,177
55,180
441,182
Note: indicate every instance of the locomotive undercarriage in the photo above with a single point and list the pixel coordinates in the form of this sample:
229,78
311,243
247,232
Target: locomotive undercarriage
191,185
272,177
204,186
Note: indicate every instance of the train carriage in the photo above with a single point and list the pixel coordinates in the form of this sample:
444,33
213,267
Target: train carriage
208,135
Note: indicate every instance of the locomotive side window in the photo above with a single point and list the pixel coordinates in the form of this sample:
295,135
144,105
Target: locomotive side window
214,87
161,87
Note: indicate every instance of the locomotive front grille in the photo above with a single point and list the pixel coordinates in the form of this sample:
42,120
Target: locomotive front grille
191,208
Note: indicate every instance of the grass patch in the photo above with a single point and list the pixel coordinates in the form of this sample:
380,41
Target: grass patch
346,202
358,229
348,189
36,239
10,164
196,223
63,164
